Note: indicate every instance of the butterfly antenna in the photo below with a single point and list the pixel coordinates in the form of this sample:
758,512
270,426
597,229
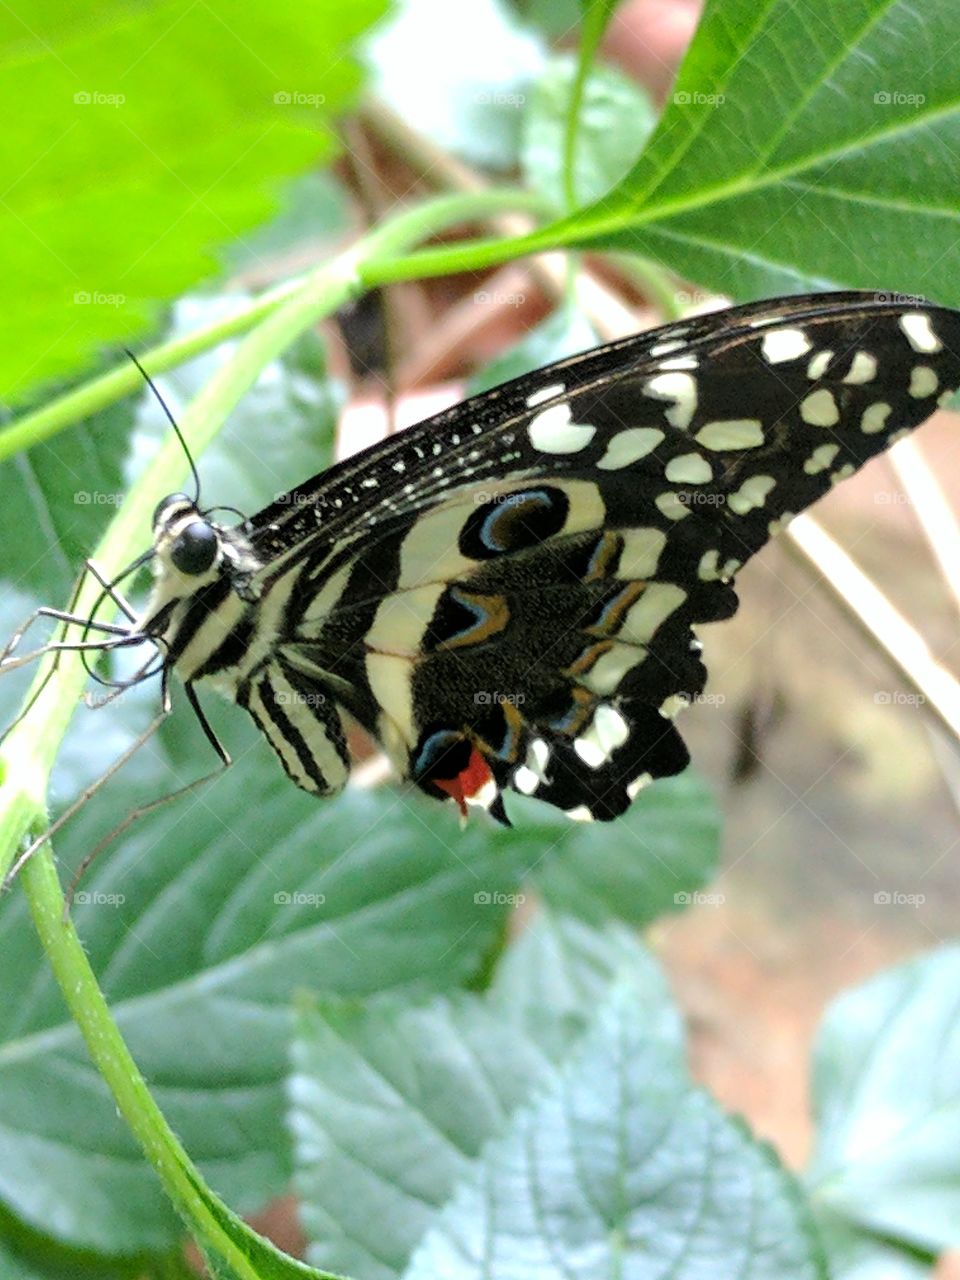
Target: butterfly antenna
173,422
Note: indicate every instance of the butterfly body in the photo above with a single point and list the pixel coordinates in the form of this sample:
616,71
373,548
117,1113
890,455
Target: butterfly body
504,595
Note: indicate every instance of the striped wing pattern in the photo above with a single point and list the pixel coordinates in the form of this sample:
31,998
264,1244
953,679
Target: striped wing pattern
505,595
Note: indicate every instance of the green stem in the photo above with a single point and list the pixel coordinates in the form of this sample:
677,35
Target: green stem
98,393
223,1231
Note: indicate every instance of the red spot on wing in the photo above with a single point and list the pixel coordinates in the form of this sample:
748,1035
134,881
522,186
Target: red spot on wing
468,782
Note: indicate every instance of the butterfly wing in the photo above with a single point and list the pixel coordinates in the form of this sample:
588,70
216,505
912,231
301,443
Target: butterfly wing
505,595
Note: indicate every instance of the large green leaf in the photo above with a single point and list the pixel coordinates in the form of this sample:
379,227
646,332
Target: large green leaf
622,1168
200,929
392,1103
139,139
886,1169
802,152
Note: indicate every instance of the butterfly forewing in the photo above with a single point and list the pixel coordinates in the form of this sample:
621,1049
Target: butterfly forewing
504,595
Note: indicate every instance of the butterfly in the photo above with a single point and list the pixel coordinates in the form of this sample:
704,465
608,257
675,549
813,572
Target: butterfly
505,595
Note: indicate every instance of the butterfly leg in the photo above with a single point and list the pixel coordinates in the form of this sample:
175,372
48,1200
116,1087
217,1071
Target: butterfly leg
86,794
134,816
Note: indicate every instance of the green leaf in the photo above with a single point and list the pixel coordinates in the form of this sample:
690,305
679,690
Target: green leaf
392,1103
653,859
616,118
886,1065
459,75
559,970
136,144
622,1168
201,927
789,158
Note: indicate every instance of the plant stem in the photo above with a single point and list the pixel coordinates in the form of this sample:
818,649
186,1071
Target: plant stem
182,1181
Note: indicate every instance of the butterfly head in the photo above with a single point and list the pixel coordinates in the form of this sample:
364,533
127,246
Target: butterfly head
186,543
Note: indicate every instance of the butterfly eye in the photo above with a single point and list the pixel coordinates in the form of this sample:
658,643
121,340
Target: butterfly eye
195,548
171,500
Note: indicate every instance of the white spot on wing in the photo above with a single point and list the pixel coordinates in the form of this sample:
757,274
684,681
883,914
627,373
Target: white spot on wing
919,332
629,446
821,458
525,780
689,468
608,730
731,433
681,388
819,409
672,706
818,365
863,369
670,505
580,814
637,785
552,431
610,668
641,552
657,603
752,493
923,381
875,417
784,344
